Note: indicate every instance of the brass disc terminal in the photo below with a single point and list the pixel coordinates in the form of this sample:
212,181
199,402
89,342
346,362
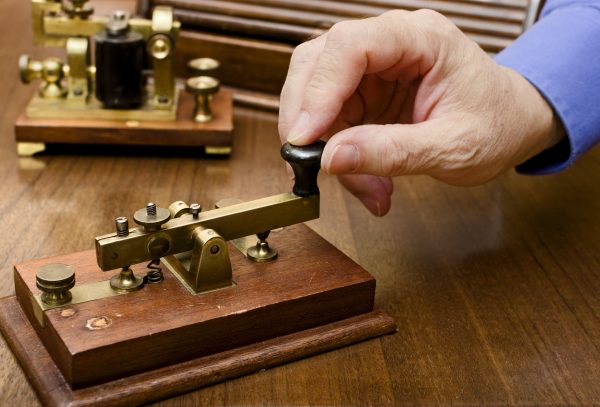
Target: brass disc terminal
55,280
204,66
202,87
261,252
126,281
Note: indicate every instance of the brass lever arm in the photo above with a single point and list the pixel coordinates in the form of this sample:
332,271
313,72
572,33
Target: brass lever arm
231,222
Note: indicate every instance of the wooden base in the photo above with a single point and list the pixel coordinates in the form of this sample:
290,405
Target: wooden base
53,390
312,298
182,132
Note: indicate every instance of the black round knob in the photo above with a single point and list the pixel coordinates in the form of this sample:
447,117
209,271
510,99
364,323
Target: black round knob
306,163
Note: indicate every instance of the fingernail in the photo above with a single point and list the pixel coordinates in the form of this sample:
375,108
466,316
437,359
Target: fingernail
299,128
372,205
344,158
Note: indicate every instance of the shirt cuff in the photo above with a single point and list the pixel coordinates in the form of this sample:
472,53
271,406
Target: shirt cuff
560,56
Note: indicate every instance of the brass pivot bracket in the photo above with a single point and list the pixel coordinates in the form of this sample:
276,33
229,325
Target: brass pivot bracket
210,267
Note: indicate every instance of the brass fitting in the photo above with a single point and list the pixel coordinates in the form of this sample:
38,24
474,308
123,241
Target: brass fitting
202,87
52,71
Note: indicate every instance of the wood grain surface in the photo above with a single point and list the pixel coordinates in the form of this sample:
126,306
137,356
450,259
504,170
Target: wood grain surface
495,289
164,324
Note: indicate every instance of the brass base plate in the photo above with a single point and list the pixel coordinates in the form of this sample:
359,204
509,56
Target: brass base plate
64,108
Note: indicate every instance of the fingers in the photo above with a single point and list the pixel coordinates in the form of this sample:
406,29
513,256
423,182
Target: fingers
389,44
387,150
300,71
374,192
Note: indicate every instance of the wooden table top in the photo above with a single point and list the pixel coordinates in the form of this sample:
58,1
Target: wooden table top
495,289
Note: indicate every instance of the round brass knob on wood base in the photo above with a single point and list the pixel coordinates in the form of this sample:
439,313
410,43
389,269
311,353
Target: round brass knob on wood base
55,280
202,87
204,66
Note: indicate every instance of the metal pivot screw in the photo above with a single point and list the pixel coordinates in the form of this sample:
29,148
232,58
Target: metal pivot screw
122,225
202,87
204,67
261,252
126,281
151,217
55,280
151,209
195,209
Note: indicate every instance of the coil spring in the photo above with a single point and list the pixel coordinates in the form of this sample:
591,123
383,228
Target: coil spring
154,274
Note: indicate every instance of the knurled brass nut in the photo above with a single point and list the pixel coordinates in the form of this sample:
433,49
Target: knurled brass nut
55,278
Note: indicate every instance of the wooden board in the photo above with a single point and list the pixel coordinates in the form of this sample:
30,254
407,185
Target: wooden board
182,132
246,63
53,390
310,284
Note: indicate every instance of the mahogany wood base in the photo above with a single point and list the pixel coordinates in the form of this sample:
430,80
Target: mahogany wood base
53,390
311,299
215,136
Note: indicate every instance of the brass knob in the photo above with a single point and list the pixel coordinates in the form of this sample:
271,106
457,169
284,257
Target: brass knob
51,70
29,69
204,66
55,280
202,87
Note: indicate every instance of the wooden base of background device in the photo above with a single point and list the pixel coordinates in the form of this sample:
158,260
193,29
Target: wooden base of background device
162,340
215,136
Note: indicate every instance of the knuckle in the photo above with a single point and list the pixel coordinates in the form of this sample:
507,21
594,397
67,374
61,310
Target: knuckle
394,158
395,14
435,22
341,34
301,51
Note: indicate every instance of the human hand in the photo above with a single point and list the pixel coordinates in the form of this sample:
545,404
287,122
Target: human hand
408,93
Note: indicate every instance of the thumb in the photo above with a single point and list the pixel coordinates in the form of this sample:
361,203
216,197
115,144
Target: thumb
386,150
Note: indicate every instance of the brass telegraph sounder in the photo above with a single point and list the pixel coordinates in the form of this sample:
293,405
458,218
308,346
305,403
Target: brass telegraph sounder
192,297
117,84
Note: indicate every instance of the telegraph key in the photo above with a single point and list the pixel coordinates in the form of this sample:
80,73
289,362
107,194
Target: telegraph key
125,91
193,297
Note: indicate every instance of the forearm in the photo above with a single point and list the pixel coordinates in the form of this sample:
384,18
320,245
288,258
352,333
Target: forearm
560,56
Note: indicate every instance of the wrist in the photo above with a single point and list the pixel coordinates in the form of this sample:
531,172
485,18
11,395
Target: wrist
542,128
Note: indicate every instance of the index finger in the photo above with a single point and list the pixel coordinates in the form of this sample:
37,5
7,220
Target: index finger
387,43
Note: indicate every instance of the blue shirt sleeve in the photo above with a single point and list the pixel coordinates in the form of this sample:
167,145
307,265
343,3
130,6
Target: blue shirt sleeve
560,56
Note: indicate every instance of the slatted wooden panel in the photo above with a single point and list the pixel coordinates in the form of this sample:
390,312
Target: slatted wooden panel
254,39
491,23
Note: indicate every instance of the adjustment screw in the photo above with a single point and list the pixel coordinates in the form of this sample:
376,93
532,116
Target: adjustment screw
195,209
122,225
151,208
